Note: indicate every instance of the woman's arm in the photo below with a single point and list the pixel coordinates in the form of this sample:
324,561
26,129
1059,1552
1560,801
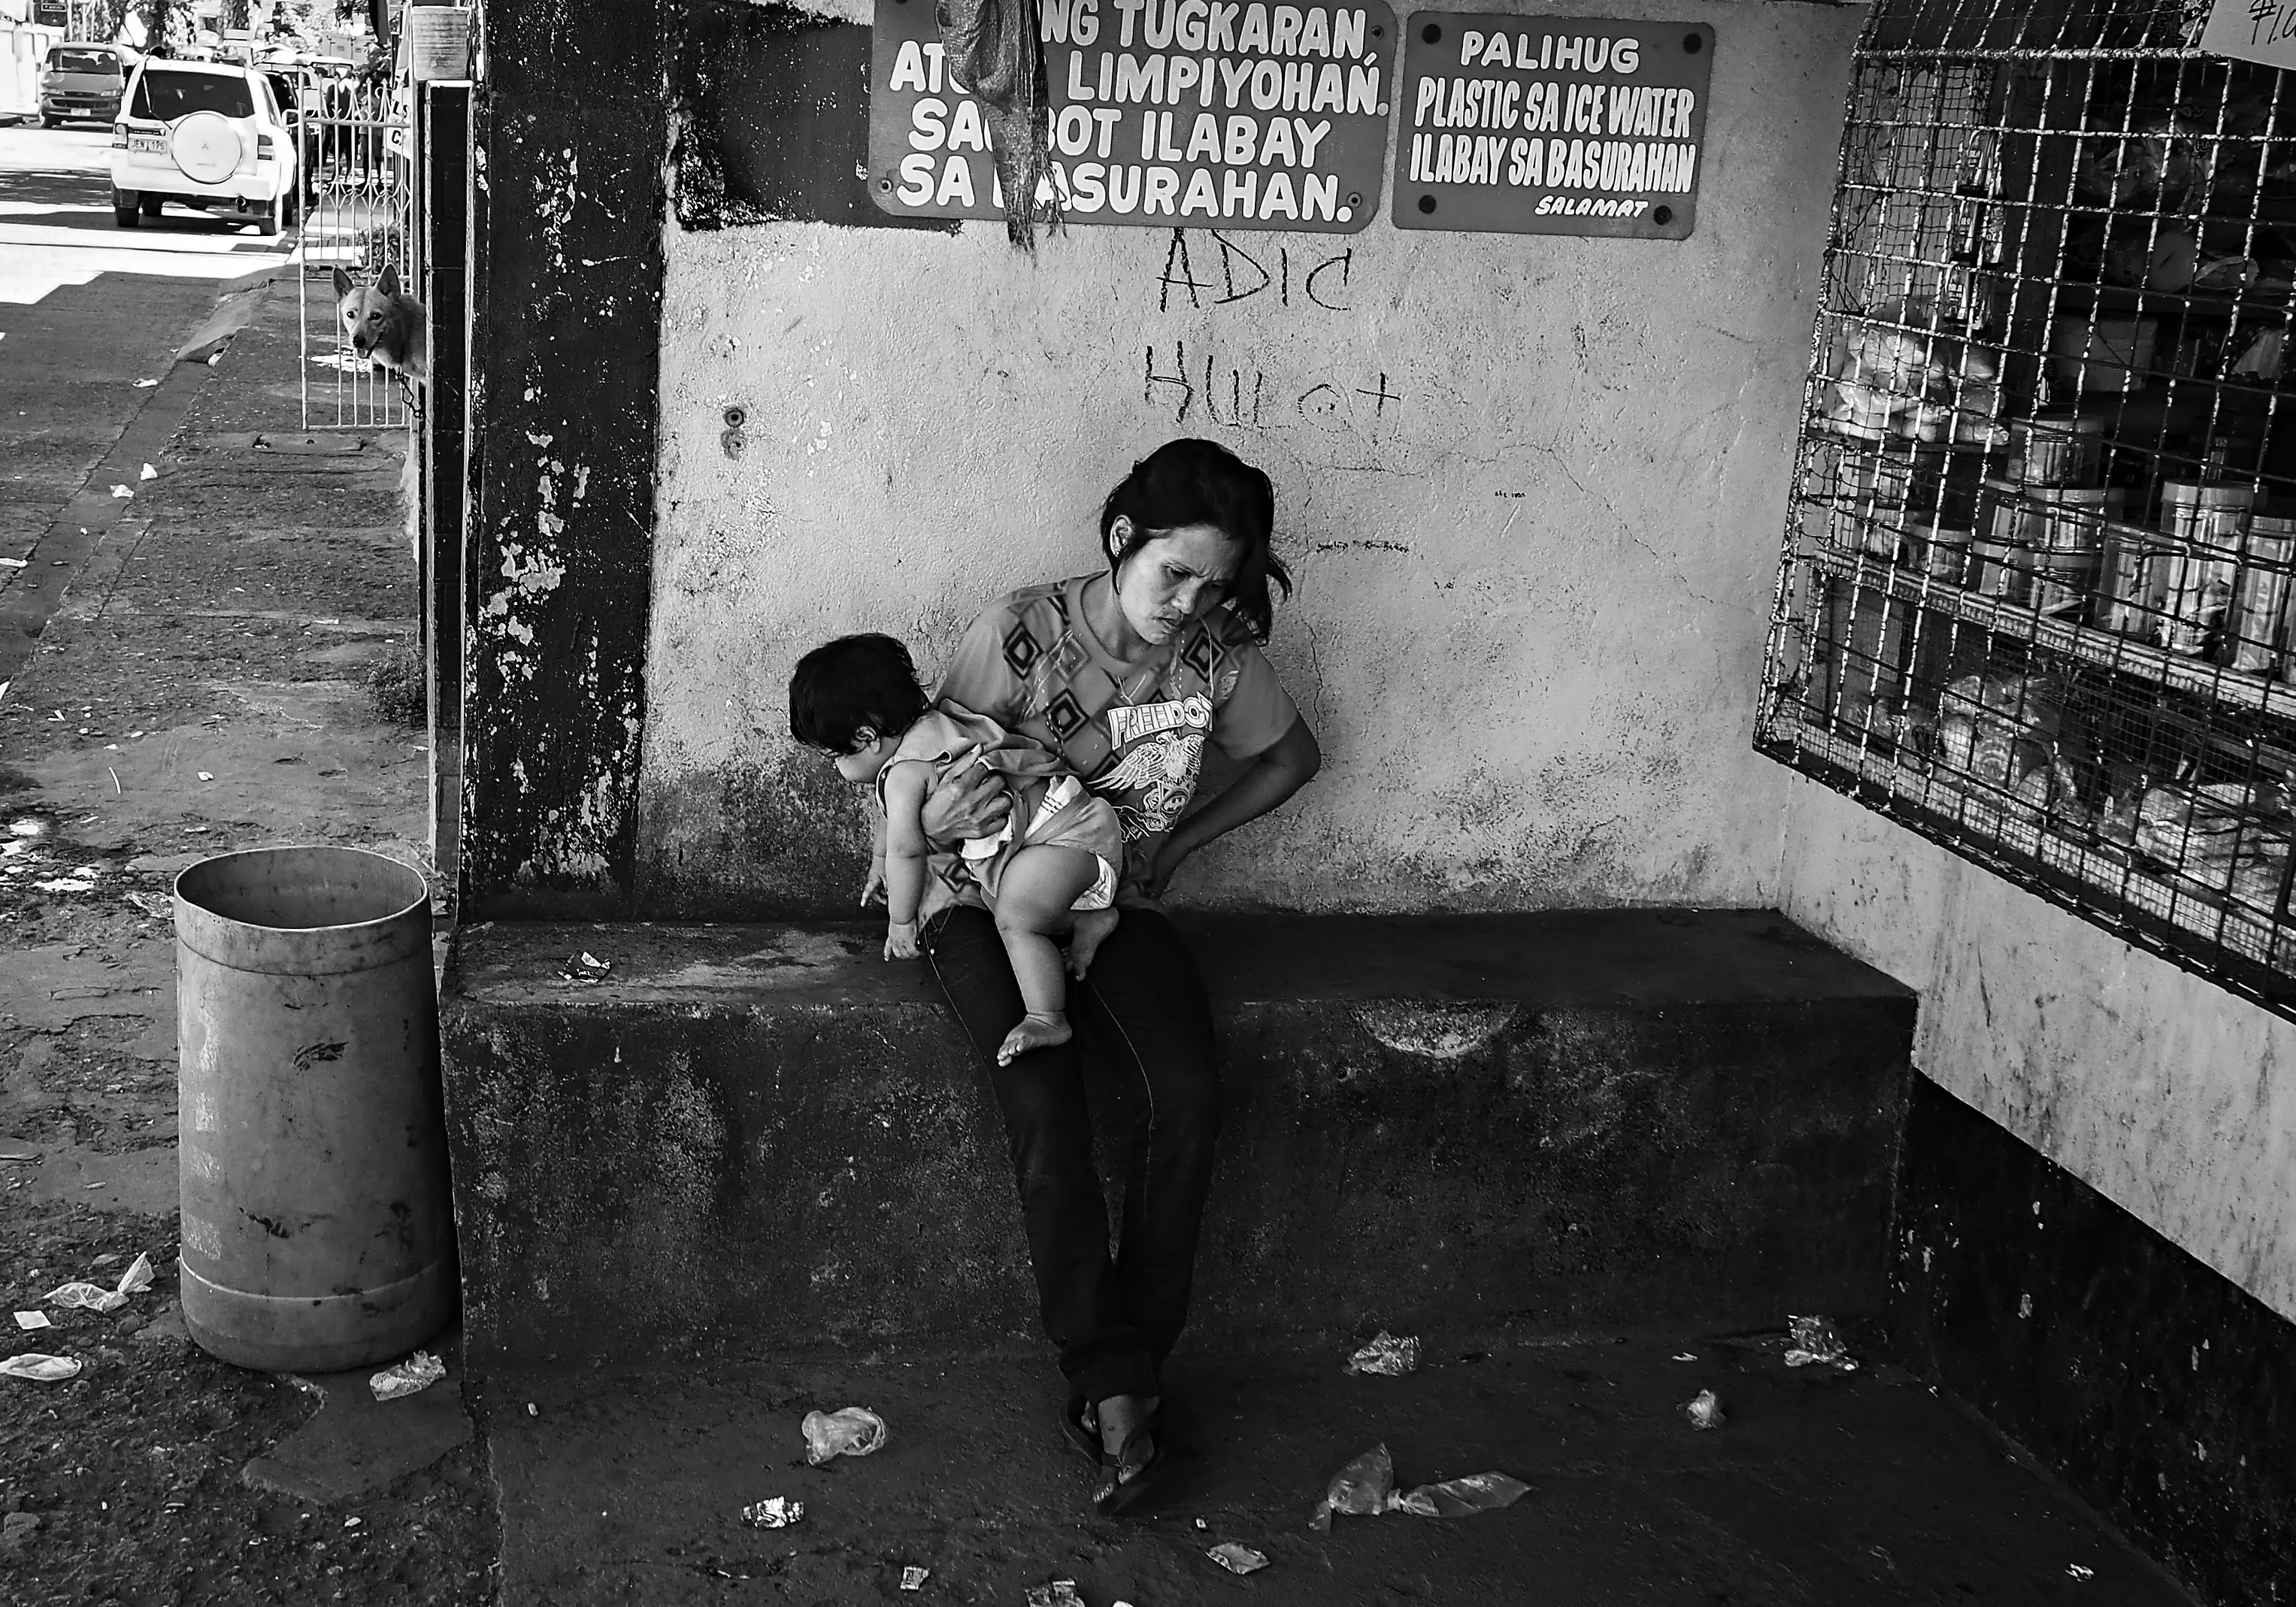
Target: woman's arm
1274,776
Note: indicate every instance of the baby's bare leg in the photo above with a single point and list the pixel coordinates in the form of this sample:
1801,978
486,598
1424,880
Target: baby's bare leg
1032,908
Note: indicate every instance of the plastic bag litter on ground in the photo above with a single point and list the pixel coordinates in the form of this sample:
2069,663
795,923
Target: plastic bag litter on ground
1361,1489
412,1376
94,1297
775,1512
1460,1498
1237,1559
40,1369
851,1431
1055,1593
1704,1410
1365,1487
1388,1354
1816,1339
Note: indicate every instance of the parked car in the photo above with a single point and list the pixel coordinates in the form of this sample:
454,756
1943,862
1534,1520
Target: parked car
211,135
81,82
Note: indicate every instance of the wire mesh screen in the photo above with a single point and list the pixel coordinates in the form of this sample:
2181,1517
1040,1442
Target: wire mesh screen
2035,599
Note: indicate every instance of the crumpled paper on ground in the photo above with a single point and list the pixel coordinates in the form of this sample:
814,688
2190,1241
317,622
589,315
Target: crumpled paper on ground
1365,1487
1388,1354
94,1297
1237,1559
1055,1593
1704,1410
775,1511
1816,1339
851,1431
412,1376
40,1369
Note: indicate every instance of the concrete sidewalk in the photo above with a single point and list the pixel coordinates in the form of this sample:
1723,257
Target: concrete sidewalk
201,686
1821,1487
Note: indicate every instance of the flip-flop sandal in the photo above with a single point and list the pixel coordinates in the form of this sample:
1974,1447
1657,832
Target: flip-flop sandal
1084,1437
1118,1495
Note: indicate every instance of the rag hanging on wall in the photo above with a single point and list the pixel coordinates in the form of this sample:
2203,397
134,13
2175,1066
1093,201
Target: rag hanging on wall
995,50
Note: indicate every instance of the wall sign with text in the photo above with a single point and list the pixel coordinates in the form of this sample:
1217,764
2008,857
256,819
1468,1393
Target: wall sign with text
1164,114
1550,124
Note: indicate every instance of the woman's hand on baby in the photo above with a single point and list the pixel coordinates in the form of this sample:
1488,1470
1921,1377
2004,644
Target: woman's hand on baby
873,891
969,801
901,940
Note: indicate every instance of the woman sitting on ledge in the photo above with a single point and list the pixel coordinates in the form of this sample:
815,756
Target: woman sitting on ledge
1124,673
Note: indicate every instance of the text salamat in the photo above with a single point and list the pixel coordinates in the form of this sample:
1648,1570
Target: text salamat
1163,113
1550,124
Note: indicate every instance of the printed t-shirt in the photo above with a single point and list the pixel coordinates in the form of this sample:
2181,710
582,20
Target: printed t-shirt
1133,732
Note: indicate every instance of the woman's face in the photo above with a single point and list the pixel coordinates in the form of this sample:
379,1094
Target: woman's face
1178,575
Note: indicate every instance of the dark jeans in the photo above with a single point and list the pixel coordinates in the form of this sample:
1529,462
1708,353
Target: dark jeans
1142,1024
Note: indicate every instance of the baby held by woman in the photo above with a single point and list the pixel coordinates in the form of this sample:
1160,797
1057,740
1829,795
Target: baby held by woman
1050,871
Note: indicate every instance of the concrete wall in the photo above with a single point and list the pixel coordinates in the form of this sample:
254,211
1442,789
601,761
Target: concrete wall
2159,1090
1534,514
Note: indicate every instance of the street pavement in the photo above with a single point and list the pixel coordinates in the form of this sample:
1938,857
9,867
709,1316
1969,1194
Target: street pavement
91,316
183,671
56,227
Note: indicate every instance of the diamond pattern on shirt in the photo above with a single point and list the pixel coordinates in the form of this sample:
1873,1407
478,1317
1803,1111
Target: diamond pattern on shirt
1021,648
1069,656
1202,654
1065,715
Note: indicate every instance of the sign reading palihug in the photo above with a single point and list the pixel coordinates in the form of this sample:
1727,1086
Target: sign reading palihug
1164,113
1550,124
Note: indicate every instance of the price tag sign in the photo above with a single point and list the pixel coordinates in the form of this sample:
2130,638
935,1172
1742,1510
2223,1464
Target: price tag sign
2253,30
1164,114
1551,124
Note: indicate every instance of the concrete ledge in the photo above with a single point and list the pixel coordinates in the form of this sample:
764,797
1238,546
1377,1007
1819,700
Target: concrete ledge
758,1136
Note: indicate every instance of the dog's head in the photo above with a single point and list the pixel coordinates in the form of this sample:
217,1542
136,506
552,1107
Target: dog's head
380,318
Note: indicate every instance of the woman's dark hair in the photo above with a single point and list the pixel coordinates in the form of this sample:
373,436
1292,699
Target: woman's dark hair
1186,482
854,681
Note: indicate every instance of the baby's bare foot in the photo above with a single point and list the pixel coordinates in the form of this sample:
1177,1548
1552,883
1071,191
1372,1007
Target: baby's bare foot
1092,930
1039,1030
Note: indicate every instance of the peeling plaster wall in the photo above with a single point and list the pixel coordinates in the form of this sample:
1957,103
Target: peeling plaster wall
1531,488
566,294
2160,1091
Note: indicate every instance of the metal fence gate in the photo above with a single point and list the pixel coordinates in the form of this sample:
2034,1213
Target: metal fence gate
357,215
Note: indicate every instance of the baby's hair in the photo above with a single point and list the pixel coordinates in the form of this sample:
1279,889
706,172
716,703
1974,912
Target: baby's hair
854,681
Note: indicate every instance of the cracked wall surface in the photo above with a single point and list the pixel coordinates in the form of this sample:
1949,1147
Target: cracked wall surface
1529,488
567,279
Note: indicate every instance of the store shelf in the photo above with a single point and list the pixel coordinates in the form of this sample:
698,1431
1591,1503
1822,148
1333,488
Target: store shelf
1951,809
1928,262
2106,649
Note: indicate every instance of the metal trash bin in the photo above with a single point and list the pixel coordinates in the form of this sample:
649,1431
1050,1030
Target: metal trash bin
317,1231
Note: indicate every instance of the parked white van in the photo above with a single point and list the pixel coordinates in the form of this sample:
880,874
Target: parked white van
81,82
209,135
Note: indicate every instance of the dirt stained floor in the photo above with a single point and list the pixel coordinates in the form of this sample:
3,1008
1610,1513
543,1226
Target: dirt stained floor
204,686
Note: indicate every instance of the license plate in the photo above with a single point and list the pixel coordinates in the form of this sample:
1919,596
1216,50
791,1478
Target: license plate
157,143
